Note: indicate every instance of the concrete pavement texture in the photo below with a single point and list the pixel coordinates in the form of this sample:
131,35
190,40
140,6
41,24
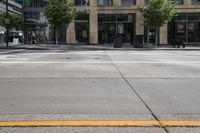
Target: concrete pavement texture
99,85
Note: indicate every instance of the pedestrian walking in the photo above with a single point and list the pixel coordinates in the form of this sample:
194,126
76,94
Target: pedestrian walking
33,38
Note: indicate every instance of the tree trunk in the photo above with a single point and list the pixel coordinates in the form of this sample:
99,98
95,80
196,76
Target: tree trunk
54,34
156,39
148,36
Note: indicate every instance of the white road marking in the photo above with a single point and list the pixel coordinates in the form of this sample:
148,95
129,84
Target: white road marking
10,51
117,62
103,53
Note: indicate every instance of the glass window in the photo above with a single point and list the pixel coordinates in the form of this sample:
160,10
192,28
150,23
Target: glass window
178,1
112,26
128,2
104,2
185,26
31,17
82,2
35,3
193,16
195,1
180,16
145,2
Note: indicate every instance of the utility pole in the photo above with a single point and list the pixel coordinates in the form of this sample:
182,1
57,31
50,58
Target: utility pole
7,23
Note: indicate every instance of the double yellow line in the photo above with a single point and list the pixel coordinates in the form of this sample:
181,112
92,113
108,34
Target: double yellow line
96,123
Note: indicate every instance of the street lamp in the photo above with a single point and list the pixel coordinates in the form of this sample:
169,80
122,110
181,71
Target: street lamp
7,23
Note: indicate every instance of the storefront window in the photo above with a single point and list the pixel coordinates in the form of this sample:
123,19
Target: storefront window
186,27
111,26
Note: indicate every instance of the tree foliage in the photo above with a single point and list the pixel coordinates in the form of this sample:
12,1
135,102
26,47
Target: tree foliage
59,12
158,12
15,21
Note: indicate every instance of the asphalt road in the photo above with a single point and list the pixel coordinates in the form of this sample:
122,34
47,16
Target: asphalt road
99,85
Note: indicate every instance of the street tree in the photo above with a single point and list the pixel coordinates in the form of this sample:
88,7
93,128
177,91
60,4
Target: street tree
59,12
156,14
15,21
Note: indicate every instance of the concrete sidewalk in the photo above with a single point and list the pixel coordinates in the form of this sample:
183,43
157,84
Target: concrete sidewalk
95,47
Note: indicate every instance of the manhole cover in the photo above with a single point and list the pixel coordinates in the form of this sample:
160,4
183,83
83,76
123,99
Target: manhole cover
96,58
67,58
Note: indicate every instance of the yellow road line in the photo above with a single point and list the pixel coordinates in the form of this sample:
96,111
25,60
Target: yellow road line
78,123
180,123
98,123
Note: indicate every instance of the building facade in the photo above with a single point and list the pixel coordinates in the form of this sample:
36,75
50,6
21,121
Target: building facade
101,21
13,7
34,20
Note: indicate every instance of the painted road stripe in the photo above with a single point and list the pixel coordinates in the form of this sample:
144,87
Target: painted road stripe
100,123
95,62
10,51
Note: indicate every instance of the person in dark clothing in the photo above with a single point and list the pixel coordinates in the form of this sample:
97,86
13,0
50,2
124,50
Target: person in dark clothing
173,42
180,43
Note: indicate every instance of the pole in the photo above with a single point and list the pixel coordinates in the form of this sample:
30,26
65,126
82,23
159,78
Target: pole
7,30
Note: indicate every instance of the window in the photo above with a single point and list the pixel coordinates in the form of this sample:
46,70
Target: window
34,3
82,2
31,17
185,26
178,1
128,2
105,2
195,1
112,26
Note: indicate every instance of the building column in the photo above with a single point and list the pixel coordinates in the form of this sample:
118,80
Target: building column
71,34
93,27
163,35
187,3
93,22
117,2
139,19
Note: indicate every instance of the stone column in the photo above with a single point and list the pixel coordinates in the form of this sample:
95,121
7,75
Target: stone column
93,27
187,3
139,19
163,35
93,3
71,34
93,22
116,2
